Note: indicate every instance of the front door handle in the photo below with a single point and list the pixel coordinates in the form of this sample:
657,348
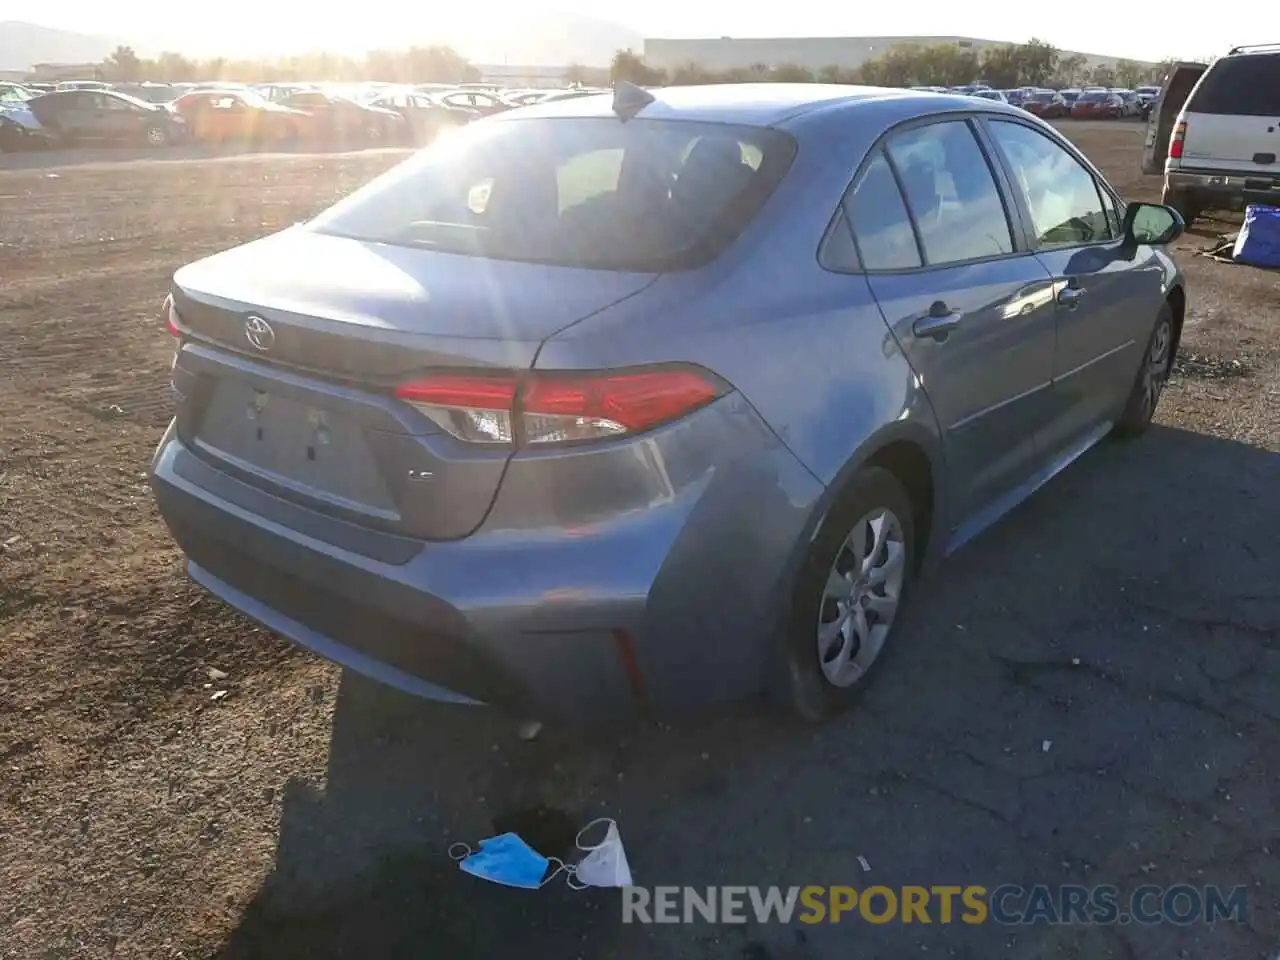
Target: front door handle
1070,296
938,322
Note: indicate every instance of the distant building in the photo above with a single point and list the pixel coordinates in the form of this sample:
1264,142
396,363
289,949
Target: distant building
515,76
53,72
812,53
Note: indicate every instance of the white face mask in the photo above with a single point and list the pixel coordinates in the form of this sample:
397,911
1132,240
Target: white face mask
605,864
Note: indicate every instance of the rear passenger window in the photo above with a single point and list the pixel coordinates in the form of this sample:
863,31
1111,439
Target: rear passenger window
1243,86
837,251
881,225
1062,196
951,192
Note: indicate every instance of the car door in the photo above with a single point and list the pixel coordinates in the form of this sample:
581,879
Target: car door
235,119
969,305
195,109
119,119
1168,103
1106,294
71,113
97,122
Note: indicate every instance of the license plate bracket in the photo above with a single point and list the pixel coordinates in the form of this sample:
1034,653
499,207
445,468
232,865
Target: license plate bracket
317,451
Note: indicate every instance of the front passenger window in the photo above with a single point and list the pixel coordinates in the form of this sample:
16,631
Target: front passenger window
1062,196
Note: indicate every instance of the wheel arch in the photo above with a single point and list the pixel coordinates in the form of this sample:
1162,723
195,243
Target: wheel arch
913,453
911,449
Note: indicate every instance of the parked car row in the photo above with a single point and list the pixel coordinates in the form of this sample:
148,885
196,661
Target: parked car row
1091,103
76,112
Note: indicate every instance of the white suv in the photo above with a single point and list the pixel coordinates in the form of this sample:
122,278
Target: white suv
1224,148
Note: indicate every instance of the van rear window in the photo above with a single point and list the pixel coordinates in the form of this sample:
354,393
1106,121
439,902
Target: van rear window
1246,86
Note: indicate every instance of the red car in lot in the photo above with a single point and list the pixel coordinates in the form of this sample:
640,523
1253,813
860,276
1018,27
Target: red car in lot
1098,105
1046,104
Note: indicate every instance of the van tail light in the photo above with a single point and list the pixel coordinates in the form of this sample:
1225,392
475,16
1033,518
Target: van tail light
559,407
1176,141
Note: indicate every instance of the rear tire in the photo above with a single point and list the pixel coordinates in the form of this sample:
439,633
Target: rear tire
834,641
1153,374
157,136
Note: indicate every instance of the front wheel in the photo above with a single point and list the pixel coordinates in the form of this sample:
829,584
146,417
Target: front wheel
1153,374
157,136
851,590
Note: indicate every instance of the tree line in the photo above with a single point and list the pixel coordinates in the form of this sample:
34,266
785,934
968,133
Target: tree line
414,65
1004,66
1035,63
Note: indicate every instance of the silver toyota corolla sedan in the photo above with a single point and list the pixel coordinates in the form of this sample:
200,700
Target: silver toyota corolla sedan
651,400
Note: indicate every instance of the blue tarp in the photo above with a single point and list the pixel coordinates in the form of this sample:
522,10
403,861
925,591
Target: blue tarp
1258,242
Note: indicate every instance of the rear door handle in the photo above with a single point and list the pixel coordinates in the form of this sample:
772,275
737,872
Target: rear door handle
1070,296
938,322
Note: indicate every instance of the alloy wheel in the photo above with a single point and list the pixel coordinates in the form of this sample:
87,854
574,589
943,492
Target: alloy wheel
861,596
1155,369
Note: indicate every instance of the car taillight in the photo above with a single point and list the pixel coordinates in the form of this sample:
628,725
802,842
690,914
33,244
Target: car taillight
558,407
171,316
1175,142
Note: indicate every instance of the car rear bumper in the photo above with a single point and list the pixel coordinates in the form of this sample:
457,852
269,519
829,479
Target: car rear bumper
1223,186
668,608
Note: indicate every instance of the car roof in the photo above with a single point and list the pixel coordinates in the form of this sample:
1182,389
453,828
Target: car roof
1254,49
754,104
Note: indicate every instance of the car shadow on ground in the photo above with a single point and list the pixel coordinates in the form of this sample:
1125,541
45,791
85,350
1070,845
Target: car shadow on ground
1089,693
84,156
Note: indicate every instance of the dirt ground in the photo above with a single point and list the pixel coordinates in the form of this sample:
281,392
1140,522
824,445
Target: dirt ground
176,783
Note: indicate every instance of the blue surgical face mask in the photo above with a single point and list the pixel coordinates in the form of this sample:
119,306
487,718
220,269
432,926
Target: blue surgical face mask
504,859
508,860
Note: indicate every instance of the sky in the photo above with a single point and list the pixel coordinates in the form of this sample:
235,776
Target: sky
1133,29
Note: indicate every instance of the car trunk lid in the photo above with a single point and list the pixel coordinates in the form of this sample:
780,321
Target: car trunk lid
293,346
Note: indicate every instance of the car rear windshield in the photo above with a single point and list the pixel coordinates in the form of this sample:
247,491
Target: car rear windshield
646,195
1247,86
1094,97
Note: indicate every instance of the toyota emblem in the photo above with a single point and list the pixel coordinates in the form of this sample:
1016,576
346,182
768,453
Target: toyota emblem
259,333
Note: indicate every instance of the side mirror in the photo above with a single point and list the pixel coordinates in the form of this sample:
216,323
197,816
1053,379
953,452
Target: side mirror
1152,223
